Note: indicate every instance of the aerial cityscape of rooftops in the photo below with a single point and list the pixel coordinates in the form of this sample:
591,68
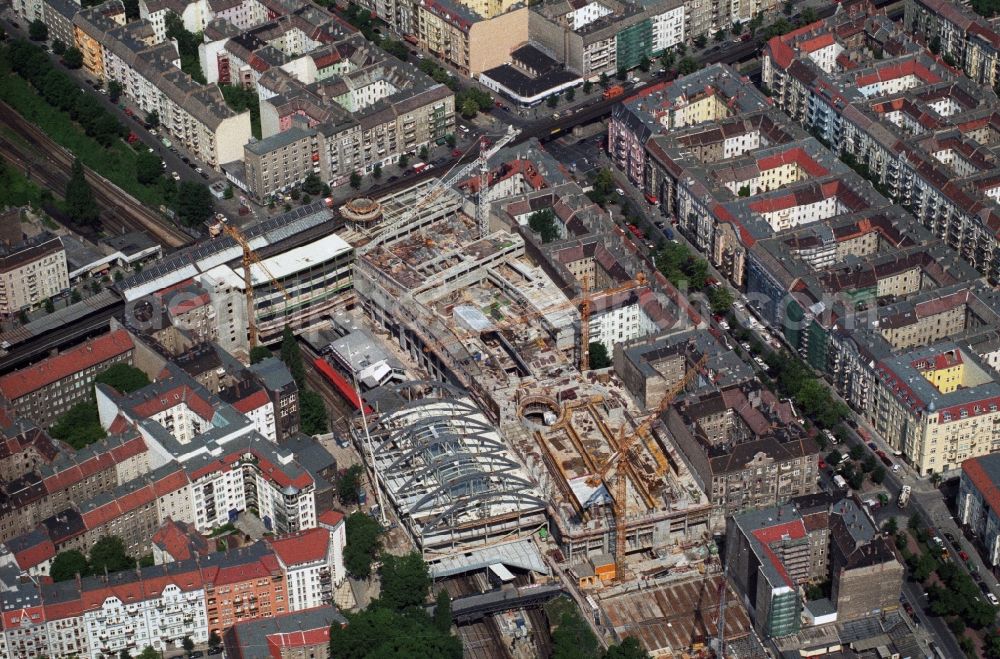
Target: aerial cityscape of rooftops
600,329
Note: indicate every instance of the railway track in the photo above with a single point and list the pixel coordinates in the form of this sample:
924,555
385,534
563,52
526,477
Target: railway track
121,211
481,640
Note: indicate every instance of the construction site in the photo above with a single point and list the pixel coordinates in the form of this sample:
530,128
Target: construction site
525,453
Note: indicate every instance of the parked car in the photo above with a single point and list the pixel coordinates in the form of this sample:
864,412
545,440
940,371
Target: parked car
872,446
993,599
950,538
983,587
963,555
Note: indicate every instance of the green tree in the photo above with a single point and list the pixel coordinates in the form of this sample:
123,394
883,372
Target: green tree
598,355
572,637
194,203
424,153
442,612
72,58
630,648
622,75
124,654
213,640
382,632
891,526
468,109
719,36
543,222
644,64
37,30
588,86
405,581
363,543
700,41
259,354
291,355
403,161
552,101
355,180
149,653
67,564
807,16
878,475
687,66
108,555
75,296
312,411
857,452
80,426
228,193
377,171
737,28
450,140
114,91
834,458
570,94
58,47
123,378
868,464
312,184
348,485
720,299
80,203
188,644
148,167
153,119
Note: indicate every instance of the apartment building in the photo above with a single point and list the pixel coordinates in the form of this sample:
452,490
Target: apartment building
938,405
969,39
651,367
774,552
922,133
298,636
58,18
746,447
368,115
713,94
31,272
283,161
148,70
605,36
130,610
313,565
181,421
45,391
978,501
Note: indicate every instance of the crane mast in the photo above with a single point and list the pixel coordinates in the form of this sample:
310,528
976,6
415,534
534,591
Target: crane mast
623,453
250,258
480,164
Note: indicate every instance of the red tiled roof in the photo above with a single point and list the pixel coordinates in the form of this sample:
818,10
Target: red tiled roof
252,402
182,394
279,641
35,555
331,518
795,530
177,540
303,547
987,488
20,383
797,156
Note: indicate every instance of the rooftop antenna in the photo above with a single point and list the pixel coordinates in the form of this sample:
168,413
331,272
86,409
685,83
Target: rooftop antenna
368,439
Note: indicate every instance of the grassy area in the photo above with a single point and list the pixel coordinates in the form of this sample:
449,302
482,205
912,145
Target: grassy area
117,164
16,189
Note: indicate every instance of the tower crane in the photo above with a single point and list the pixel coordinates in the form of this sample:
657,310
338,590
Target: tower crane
720,625
250,258
480,164
625,445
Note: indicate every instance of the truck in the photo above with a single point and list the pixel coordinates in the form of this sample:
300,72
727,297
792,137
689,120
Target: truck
840,482
613,91
904,496
419,167
636,231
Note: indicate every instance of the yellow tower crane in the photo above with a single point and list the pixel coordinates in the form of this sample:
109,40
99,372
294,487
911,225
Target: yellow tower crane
625,445
250,258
